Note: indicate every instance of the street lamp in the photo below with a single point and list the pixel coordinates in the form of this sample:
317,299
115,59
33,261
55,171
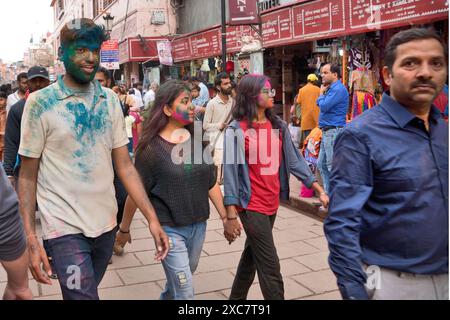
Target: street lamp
109,22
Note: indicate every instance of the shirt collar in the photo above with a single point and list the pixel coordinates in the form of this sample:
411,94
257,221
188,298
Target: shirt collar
334,84
65,92
435,113
219,99
400,114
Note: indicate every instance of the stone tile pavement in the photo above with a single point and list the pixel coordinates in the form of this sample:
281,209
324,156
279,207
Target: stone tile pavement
300,242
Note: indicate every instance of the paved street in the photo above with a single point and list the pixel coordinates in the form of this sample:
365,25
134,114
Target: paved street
301,247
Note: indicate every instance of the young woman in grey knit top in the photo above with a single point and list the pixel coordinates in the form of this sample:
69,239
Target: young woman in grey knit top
179,178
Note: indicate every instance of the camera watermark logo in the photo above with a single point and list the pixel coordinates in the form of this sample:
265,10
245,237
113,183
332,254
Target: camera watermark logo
373,277
74,280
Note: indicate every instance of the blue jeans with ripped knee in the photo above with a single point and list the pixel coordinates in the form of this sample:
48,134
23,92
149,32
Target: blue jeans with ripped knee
186,245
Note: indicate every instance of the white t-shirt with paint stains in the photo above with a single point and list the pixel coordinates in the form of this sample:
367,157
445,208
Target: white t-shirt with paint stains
74,134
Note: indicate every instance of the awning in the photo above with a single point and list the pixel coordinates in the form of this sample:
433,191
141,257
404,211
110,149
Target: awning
312,20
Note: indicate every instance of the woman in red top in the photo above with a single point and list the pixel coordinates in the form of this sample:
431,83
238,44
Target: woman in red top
254,189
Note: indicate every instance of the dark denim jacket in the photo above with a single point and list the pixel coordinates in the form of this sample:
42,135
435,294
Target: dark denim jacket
236,172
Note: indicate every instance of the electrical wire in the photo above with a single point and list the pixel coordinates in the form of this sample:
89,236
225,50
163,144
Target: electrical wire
125,21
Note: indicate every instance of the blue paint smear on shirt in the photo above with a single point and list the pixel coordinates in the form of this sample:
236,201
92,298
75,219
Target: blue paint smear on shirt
43,105
88,126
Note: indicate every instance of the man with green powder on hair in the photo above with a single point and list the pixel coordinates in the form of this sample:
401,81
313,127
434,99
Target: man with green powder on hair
72,131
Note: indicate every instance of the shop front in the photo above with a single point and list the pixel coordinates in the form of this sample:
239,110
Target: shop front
199,55
299,38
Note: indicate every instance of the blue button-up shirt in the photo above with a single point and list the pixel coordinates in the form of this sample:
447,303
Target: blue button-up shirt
389,196
333,106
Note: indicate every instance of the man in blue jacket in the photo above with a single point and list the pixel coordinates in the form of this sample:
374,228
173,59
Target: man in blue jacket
387,227
333,104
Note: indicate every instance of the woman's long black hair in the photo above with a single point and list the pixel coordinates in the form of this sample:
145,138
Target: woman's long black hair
166,95
246,107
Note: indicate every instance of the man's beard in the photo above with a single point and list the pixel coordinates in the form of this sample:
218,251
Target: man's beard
225,92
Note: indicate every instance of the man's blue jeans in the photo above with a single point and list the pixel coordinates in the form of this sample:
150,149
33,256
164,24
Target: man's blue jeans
80,263
185,245
326,155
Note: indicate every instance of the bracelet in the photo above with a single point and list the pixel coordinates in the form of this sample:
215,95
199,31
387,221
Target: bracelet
121,231
235,218
323,193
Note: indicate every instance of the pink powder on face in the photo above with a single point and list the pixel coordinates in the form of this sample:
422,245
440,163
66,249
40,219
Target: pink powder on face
262,96
261,99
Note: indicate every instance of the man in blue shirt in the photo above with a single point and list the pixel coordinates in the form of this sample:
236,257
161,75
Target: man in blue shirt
387,227
333,104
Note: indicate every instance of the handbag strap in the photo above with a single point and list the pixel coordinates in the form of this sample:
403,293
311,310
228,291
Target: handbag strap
227,121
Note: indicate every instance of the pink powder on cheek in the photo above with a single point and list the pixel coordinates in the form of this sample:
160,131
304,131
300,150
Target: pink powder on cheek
181,118
262,99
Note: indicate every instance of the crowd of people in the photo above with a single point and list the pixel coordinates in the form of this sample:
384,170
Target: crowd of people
167,152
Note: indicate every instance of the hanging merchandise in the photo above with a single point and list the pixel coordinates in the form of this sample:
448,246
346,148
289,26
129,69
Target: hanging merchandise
362,101
360,58
205,66
229,67
212,63
362,80
318,65
219,65
362,84
334,53
217,62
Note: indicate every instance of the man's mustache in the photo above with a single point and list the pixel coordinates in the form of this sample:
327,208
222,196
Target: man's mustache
421,83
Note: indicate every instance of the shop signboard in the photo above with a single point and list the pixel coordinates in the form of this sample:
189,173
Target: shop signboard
375,14
142,49
139,49
243,12
277,26
109,55
124,51
181,49
319,17
206,44
233,38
